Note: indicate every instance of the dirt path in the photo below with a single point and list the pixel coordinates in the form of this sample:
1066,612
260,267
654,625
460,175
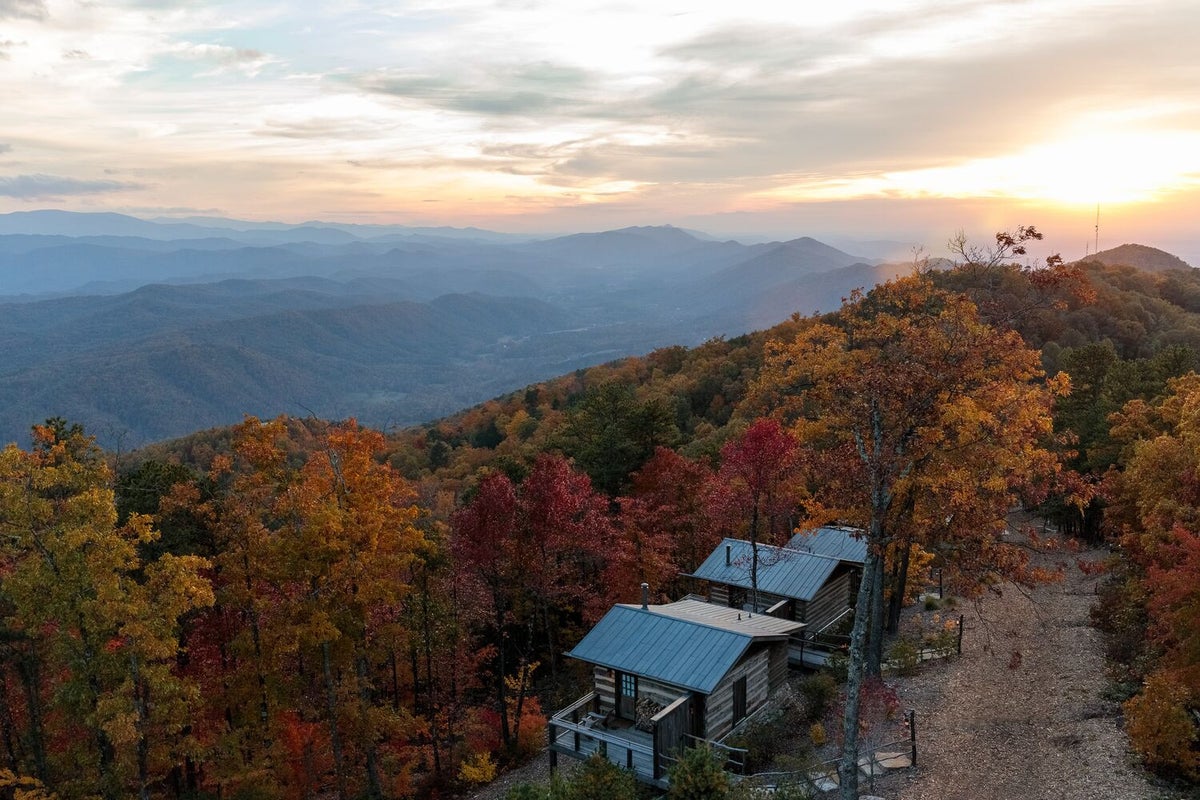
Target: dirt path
1021,713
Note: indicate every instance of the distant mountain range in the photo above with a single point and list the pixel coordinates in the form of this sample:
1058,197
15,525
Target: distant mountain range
148,329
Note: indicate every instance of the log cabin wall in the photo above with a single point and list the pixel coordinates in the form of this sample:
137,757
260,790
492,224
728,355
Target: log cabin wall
830,600
606,689
755,668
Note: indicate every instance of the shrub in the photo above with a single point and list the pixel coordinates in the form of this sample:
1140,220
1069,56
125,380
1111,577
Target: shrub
932,603
1161,729
526,791
478,769
838,667
818,690
762,740
904,656
600,779
817,733
698,775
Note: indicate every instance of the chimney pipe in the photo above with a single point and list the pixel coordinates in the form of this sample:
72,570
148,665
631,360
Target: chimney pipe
645,597
728,552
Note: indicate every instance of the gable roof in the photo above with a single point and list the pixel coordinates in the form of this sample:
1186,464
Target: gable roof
781,570
674,643
847,544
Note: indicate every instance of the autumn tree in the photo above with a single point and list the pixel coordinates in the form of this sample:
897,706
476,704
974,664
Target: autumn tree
665,526
101,624
343,554
914,390
757,489
536,549
1156,502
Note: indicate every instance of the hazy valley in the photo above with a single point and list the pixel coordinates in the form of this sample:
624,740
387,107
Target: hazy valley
145,330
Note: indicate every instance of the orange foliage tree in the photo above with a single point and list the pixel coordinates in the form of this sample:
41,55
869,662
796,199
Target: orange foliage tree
1156,500
921,399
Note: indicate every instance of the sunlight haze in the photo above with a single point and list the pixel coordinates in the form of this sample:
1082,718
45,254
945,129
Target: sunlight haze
860,119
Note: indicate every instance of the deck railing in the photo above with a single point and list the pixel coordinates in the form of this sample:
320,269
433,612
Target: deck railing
576,730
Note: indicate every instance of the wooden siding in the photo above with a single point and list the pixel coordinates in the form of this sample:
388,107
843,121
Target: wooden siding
719,708
777,672
606,689
830,600
671,727
719,594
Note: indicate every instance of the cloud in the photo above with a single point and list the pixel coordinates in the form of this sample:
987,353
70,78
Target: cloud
23,9
247,60
495,90
5,148
41,187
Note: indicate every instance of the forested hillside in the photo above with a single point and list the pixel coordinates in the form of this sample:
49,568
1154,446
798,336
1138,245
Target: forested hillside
298,607
148,330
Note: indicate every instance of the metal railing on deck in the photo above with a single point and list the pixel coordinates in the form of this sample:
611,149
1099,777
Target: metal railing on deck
572,728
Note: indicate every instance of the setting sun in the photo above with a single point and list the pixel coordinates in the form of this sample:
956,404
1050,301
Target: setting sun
1090,168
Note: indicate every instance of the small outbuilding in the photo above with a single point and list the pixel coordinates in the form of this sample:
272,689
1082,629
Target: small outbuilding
668,676
813,579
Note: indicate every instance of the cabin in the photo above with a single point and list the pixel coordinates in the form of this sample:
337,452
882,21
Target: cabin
813,579
668,676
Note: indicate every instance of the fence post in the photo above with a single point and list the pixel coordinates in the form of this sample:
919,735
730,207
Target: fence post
912,733
961,617
941,586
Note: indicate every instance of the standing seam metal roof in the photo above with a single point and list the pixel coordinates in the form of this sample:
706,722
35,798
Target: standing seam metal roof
848,544
782,571
654,644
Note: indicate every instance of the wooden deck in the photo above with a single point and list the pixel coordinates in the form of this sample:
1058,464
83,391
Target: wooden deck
577,733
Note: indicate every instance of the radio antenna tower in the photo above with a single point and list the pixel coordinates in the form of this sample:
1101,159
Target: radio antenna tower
1097,250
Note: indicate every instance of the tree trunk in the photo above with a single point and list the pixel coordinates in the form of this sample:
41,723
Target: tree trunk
374,786
264,714
6,725
848,765
141,724
29,670
335,734
430,685
501,699
874,656
899,588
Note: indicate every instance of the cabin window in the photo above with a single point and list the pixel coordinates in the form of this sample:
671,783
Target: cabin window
739,700
629,685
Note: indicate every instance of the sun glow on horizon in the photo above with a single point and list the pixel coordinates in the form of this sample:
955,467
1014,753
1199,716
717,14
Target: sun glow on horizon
1109,168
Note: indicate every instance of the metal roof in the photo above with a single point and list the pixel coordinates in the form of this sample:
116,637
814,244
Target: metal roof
781,570
847,544
733,619
670,644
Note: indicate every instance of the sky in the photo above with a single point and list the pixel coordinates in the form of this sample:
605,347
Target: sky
901,120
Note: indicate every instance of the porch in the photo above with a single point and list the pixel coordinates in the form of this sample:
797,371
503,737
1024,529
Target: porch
579,730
